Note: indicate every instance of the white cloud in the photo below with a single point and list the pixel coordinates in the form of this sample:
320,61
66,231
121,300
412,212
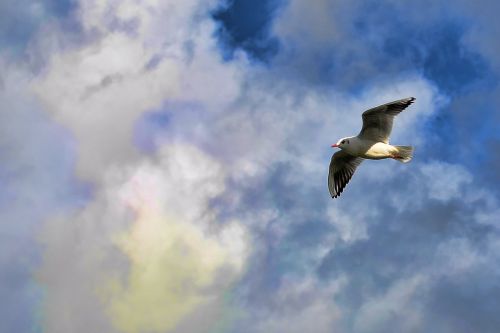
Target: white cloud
394,309
98,92
445,181
99,89
351,226
302,305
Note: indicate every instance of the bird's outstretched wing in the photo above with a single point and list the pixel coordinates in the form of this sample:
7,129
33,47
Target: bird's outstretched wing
342,168
377,122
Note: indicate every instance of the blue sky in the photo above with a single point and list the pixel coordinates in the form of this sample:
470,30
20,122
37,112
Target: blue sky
164,167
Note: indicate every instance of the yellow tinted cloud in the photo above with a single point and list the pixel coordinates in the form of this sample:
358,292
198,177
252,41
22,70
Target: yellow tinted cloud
175,263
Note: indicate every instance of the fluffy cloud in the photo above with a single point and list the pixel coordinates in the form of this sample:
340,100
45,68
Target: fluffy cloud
147,251
176,262
99,89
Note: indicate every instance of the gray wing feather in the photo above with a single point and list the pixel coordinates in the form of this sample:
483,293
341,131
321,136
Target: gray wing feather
377,122
342,167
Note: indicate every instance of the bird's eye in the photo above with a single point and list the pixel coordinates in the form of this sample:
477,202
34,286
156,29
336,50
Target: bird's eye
342,141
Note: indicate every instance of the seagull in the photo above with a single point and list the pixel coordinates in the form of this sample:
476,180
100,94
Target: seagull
371,143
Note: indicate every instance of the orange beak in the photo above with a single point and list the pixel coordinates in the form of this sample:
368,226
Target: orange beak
335,145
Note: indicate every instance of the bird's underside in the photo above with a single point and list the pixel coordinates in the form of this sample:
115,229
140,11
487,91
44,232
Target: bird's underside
372,142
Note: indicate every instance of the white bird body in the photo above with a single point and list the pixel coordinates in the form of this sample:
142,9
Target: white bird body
379,150
371,143
368,149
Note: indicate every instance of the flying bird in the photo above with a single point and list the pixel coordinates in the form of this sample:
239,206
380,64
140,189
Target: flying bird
371,143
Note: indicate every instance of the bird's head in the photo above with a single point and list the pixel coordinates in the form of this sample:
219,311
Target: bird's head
342,143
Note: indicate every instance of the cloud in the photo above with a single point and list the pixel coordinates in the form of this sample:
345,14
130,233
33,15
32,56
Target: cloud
298,305
447,186
416,244
480,35
146,252
108,82
20,21
81,92
395,308
37,181
176,264
336,43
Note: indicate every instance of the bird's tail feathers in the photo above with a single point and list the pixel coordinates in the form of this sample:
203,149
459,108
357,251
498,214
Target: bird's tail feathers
403,154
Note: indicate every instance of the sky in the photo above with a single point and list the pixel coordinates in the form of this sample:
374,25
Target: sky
164,167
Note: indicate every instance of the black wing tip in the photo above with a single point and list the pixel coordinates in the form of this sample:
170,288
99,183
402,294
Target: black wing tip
337,195
340,190
410,100
402,104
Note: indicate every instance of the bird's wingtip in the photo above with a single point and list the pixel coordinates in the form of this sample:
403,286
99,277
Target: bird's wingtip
408,100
